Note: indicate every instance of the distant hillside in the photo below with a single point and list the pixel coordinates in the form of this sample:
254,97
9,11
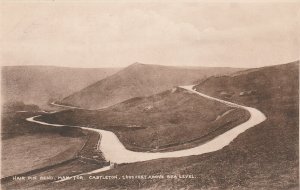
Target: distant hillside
138,80
9,107
41,84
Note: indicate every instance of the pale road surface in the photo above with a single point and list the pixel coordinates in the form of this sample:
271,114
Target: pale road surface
114,151
65,106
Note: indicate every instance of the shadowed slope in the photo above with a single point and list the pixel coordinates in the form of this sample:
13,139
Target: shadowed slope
41,84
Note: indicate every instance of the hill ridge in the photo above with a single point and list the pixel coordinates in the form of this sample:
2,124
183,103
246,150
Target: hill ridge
137,80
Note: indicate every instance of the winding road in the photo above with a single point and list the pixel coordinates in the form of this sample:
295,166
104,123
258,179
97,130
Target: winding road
114,151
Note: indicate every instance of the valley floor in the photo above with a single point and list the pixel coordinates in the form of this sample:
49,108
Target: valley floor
24,153
34,151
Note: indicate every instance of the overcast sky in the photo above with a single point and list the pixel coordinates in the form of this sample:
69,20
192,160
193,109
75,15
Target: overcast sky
103,34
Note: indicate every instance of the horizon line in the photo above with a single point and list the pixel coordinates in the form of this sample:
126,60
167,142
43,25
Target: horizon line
105,67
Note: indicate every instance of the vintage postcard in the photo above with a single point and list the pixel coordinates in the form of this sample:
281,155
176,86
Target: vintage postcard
149,94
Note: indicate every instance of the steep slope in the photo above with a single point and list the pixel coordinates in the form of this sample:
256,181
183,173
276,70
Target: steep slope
135,81
41,84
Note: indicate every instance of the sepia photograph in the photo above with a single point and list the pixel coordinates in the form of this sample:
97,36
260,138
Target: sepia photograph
153,94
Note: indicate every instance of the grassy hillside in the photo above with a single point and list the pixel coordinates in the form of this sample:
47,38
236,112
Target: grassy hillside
256,86
138,80
41,84
173,119
264,157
